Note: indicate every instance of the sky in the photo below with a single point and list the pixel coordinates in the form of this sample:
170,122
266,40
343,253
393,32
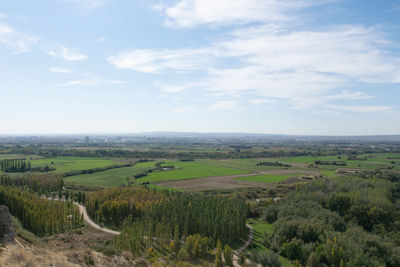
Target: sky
310,67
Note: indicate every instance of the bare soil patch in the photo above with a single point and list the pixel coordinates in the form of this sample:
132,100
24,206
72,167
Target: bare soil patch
229,181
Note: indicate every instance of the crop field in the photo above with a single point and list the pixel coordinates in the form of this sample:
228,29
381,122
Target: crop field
66,164
206,169
188,170
269,178
248,165
373,161
108,178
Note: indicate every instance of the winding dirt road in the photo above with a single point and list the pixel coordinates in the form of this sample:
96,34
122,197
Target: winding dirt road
237,252
89,221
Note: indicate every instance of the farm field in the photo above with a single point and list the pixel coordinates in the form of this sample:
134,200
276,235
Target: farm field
269,178
108,178
248,165
208,170
373,161
188,170
67,164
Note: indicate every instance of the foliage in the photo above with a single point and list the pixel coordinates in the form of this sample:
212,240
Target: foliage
38,215
15,165
228,256
39,183
218,254
198,219
266,259
349,221
112,205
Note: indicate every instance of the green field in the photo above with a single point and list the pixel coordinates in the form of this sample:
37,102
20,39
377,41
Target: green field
269,178
66,164
121,176
109,178
374,161
248,165
201,168
260,227
187,170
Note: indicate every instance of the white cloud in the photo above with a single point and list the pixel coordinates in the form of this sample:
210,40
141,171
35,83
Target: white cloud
88,3
307,68
62,52
190,13
152,61
223,105
183,109
60,70
351,95
172,88
18,41
101,39
363,109
260,101
93,82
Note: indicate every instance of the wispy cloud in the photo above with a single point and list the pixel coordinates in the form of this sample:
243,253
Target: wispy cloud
223,105
88,3
62,52
172,88
101,39
16,40
363,109
183,109
60,70
261,101
307,68
191,13
153,61
93,82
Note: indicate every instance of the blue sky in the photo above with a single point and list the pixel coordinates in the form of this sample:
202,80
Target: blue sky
327,67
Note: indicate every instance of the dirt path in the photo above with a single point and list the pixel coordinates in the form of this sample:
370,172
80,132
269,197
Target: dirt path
89,221
237,252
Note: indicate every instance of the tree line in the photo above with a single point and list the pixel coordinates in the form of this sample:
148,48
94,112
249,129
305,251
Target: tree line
111,206
39,183
15,165
38,215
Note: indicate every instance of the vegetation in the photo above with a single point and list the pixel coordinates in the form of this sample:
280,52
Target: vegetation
273,163
184,215
38,215
342,222
112,206
15,165
39,183
187,170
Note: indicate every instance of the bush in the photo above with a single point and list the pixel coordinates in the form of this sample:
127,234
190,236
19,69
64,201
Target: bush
266,259
292,250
